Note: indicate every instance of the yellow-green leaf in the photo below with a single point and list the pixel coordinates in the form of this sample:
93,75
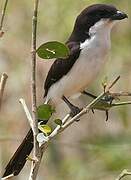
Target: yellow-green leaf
45,129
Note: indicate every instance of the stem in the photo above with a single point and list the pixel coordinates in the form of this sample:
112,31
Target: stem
121,103
37,156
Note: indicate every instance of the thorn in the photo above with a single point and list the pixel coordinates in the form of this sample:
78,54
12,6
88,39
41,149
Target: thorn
107,115
93,111
89,94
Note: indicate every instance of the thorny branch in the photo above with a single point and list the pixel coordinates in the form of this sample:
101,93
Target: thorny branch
2,18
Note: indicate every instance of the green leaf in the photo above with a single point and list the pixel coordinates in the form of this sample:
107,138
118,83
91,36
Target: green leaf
53,49
45,129
58,122
44,111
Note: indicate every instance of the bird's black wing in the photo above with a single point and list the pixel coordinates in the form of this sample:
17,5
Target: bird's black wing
62,66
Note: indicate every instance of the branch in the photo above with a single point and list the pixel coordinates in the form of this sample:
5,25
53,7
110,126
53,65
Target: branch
2,86
119,94
123,174
28,115
35,165
2,18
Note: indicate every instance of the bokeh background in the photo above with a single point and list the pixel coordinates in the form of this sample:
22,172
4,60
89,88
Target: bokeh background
91,149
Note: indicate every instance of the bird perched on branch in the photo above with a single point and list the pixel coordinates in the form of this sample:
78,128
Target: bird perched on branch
89,44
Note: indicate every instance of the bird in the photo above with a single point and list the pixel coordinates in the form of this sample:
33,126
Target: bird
89,44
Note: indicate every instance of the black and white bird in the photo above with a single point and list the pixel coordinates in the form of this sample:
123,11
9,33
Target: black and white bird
89,44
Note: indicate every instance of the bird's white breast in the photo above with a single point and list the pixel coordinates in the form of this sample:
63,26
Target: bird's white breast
84,71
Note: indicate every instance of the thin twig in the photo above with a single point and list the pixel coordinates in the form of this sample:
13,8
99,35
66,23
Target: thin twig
2,18
112,84
119,94
37,155
28,115
121,104
123,174
2,86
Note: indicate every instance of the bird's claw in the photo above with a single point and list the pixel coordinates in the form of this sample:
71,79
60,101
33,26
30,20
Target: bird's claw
74,111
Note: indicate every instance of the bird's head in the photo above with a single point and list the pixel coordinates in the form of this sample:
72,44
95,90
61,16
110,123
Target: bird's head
96,17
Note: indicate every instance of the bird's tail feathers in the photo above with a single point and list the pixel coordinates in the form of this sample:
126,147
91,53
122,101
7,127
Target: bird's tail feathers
19,158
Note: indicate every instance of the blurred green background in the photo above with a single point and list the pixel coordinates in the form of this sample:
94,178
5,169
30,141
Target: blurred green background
91,149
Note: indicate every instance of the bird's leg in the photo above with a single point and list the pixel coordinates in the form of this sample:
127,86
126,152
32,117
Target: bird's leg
89,94
74,109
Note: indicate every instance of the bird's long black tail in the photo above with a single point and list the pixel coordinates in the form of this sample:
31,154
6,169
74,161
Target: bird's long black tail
19,158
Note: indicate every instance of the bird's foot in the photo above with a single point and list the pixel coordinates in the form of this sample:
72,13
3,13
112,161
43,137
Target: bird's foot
89,94
74,111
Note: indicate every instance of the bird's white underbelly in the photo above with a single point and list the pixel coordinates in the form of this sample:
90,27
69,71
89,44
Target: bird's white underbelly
83,72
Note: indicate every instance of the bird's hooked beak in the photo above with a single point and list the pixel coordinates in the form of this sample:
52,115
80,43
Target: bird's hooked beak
119,16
